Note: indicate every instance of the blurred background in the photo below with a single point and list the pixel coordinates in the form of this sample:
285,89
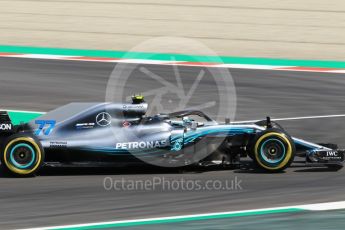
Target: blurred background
308,29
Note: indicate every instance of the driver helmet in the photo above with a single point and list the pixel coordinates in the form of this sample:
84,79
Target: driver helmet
137,99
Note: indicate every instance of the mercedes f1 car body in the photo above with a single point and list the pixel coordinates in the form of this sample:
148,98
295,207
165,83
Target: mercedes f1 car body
104,134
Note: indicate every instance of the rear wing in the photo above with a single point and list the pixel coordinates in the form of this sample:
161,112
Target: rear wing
5,122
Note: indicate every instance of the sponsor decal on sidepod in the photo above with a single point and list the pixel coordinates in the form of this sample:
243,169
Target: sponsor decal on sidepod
141,144
5,126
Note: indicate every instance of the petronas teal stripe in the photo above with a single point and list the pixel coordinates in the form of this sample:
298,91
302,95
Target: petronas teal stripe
180,219
167,57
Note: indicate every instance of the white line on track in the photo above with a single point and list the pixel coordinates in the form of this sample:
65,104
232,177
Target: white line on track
294,118
180,63
324,206
307,207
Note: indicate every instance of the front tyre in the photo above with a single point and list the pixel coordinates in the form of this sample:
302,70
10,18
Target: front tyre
273,150
22,155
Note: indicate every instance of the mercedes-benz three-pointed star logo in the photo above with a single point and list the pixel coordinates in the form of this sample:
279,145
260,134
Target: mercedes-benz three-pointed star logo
103,119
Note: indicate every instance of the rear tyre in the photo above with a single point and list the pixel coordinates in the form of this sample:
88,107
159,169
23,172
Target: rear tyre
22,155
273,150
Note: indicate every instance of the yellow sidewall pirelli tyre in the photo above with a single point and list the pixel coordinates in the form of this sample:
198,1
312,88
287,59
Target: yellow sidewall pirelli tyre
22,155
273,150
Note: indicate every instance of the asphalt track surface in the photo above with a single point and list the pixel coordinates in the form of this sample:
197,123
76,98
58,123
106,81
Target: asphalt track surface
72,196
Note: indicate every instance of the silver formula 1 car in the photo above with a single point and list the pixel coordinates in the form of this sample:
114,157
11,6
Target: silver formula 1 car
107,134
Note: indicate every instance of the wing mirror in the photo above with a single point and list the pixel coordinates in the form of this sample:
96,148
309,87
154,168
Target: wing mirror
194,125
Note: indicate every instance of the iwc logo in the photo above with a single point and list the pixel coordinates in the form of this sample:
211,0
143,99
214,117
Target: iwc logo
103,119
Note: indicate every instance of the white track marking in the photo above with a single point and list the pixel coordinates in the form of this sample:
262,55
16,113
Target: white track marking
310,117
336,71
247,66
307,207
44,56
293,118
178,63
143,61
324,206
